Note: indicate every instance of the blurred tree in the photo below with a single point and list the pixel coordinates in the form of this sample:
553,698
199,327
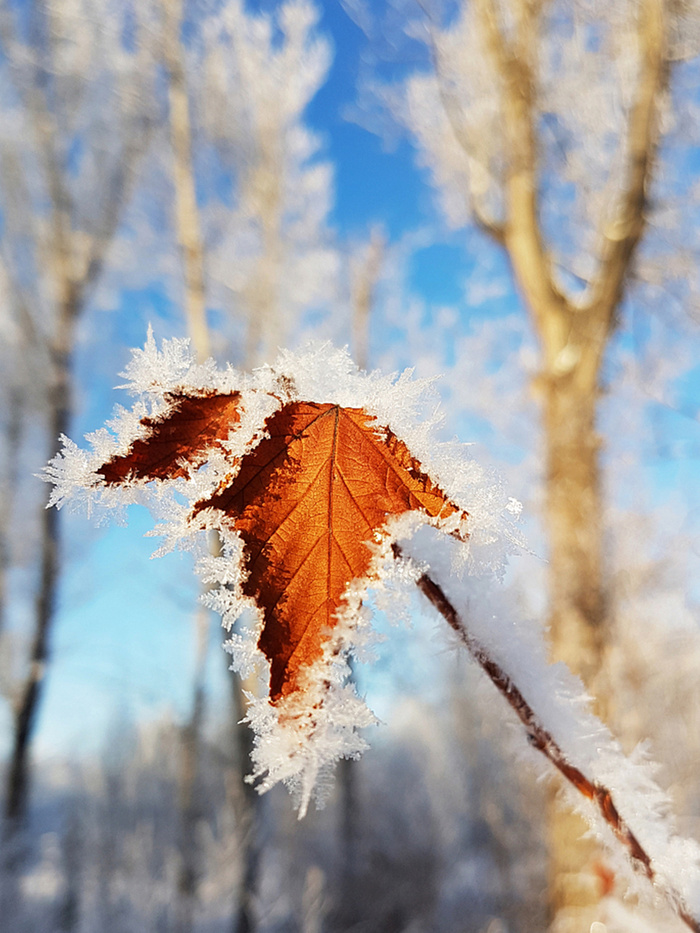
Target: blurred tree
257,78
365,271
189,238
76,117
541,123
269,249
365,267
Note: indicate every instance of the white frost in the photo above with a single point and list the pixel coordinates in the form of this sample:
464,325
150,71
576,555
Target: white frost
561,704
301,736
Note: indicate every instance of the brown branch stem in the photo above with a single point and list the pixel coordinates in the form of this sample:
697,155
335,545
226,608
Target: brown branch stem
543,741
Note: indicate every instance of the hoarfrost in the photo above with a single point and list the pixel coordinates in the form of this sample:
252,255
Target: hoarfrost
562,706
300,736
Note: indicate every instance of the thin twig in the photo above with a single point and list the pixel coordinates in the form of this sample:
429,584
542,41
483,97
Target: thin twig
542,740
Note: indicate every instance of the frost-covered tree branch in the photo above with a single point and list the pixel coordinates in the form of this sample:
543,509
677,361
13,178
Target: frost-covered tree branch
664,862
621,233
318,477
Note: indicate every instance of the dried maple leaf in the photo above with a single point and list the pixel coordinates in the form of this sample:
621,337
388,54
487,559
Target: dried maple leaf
304,477
177,441
309,502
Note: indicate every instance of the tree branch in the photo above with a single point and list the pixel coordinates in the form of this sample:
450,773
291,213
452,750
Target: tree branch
621,236
514,61
543,741
187,218
365,271
493,228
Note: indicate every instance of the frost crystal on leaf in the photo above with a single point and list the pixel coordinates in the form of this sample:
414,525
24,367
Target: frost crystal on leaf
308,470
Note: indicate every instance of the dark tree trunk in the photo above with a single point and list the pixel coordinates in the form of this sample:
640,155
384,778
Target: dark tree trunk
59,402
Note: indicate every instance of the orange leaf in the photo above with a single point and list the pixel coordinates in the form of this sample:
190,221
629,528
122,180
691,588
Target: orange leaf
178,440
309,501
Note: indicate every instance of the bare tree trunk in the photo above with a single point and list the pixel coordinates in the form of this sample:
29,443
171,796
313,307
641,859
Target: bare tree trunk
59,404
249,807
186,211
574,525
313,903
573,338
188,797
73,856
365,270
192,250
350,822
27,698
188,230
579,626
262,197
8,482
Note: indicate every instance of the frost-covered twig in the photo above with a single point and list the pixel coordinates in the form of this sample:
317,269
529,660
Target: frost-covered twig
544,741
309,470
